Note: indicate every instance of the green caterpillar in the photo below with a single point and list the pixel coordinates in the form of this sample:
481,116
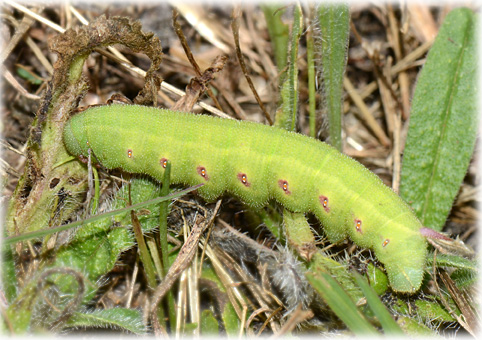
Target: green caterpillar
256,163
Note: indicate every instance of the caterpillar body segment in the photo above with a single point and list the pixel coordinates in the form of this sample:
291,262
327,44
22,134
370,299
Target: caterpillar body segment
256,163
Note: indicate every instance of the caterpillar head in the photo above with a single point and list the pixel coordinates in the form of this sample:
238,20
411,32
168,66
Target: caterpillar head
403,256
70,140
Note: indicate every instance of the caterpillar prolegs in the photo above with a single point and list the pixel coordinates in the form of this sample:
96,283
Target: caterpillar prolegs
256,163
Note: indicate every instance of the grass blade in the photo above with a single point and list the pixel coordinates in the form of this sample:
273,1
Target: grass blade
40,233
278,32
388,324
340,303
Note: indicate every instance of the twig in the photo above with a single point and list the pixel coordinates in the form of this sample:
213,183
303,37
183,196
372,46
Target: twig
35,16
368,118
235,28
186,254
190,56
121,60
15,84
297,316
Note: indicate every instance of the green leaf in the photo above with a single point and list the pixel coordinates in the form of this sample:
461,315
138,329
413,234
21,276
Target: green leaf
189,330
443,121
464,277
141,190
9,280
19,312
334,22
115,318
209,324
29,76
432,310
340,303
426,310
388,324
412,327
377,278
445,260
230,319
228,314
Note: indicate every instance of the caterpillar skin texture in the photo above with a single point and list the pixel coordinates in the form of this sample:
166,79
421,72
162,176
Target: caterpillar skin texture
256,163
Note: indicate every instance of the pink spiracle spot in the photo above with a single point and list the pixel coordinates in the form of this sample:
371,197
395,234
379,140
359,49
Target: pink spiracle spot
324,203
202,171
129,153
358,224
163,162
387,241
244,179
284,185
